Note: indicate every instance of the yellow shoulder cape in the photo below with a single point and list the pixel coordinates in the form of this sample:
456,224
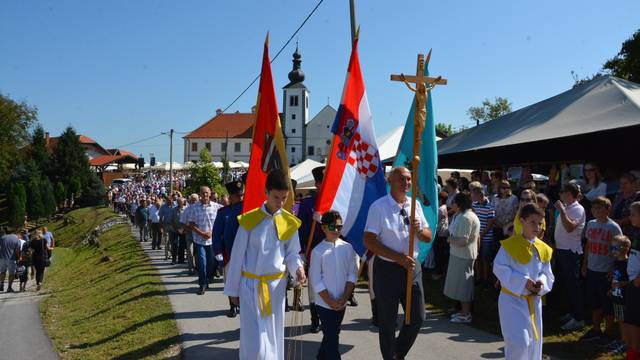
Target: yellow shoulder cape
522,250
286,223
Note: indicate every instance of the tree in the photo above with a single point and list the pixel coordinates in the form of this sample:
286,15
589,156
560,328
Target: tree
626,64
38,150
93,192
60,194
35,205
446,129
203,173
16,197
15,120
489,111
70,163
48,197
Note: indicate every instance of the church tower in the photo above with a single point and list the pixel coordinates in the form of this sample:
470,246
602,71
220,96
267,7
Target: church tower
295,112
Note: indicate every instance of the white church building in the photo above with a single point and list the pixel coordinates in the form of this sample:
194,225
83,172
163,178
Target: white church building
230,134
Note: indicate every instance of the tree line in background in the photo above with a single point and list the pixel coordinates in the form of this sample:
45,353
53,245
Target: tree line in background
38,182
625,65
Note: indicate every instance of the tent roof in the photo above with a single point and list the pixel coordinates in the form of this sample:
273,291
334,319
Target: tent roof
602,104
388,143
302,171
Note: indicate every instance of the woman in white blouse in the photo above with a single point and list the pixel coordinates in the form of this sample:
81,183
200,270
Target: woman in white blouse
594,185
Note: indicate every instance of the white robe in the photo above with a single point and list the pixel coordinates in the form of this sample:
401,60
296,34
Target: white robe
515,321
260,252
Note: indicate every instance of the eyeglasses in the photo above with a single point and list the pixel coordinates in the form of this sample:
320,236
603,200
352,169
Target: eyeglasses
405,217
334,227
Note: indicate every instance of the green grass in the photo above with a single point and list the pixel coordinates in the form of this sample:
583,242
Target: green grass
106,302
86,220
485,317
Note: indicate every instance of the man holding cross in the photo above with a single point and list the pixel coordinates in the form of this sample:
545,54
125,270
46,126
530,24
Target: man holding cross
387,235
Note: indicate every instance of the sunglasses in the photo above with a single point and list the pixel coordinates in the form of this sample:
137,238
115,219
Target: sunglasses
334,227
405,217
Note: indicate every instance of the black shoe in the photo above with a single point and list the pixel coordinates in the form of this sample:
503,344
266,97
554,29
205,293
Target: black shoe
315,328
10,290
352,301
374,314
201,291
1,288
232,312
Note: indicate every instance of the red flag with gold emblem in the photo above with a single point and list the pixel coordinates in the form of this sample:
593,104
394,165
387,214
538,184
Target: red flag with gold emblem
267,148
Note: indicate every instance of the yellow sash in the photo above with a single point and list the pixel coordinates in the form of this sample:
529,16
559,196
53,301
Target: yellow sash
264,299
521,250
532,314
286,223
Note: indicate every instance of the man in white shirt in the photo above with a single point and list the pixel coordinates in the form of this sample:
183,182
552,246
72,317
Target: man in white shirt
156,229
568,236
387,236
201,218
332,274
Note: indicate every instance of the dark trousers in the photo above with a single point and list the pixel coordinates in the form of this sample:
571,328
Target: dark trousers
205,260
441,254
178,247
389,285
568,266
331,321
39,265
156,235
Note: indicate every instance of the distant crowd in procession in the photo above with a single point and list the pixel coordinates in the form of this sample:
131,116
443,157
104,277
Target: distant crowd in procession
573,248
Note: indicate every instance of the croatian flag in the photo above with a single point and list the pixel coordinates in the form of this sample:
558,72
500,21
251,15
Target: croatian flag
354,177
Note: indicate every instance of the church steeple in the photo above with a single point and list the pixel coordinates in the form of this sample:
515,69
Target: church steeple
296,75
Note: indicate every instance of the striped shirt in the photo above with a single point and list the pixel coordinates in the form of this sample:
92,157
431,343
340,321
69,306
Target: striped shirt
203,217
485,212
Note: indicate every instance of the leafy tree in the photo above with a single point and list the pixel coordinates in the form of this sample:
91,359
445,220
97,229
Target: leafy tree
70,162
446,129
16,200
35,205
93,193
38,150
489,111
203,173
15,120
48,197
626,64
60,193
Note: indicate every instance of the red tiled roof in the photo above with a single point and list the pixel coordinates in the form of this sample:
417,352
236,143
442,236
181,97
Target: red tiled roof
86,140
122,152
235,125
53,142
112,159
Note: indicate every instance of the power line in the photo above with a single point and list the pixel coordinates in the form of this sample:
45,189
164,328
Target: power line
276,56
142,140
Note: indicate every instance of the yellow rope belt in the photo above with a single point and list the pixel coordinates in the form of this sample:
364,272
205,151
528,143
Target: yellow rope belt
529,299
264,299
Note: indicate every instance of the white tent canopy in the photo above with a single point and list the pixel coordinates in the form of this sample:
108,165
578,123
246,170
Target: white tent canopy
388,143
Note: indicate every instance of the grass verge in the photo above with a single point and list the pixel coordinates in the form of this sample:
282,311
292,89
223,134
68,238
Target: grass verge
557,343
106,302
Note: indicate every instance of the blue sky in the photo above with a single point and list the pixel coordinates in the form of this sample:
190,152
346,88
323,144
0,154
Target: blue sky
121,71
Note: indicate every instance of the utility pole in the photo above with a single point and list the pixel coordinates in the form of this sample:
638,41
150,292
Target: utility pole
170,161
352,10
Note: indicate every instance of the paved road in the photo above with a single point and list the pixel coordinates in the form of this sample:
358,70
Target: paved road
21,333
208,334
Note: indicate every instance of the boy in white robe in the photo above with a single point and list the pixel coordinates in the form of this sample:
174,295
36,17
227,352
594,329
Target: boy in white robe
265,246
523,268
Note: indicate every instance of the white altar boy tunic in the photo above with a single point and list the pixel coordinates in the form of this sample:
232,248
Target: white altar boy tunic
520,311
265,246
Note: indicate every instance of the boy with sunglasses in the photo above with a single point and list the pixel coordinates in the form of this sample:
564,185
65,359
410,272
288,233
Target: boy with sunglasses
332,275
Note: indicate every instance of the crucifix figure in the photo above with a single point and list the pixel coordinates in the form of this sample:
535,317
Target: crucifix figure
424,84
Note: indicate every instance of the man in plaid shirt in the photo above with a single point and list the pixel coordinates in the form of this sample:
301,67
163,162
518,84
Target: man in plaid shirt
201,219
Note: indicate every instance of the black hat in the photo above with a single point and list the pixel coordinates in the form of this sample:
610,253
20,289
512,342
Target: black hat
243,178
234,187
318,173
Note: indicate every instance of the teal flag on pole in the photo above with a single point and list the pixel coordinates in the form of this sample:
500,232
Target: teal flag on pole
427,171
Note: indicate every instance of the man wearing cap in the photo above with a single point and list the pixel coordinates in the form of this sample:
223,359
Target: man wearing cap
228,214
305,214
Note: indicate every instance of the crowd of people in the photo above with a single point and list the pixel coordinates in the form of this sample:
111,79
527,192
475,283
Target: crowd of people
24,256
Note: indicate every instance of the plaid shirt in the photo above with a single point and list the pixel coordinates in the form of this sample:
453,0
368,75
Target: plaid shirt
203,217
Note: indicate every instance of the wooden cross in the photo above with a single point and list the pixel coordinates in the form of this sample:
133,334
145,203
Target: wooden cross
424,84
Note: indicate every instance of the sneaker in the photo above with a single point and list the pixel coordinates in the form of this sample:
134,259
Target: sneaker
462,319
612,346
455,315
591,335
622,349
565,318
573,325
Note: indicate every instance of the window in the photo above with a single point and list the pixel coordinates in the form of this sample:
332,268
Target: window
293,149
208,145
310,150
293,100
236,147
194,147
293,130
319,151
293,116
223,147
